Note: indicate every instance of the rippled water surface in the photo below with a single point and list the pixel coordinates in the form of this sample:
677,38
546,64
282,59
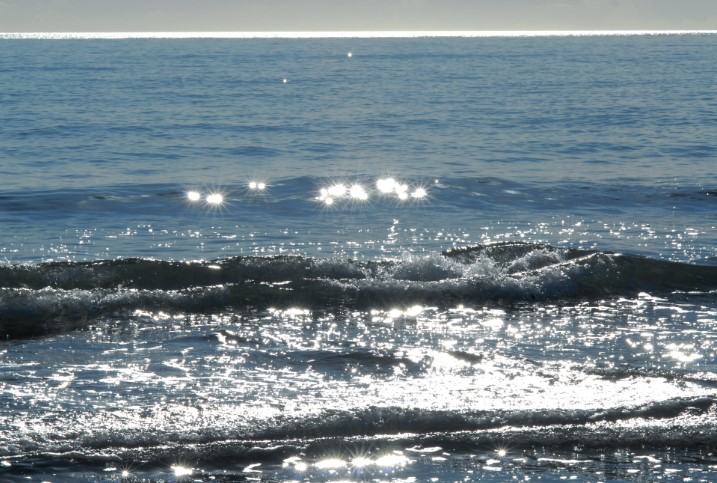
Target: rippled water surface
433,259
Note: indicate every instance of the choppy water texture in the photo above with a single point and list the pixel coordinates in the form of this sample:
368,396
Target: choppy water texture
416,259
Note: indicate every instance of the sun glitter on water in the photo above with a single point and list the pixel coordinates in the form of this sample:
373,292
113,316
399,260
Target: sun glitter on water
358,192
182,471
213,200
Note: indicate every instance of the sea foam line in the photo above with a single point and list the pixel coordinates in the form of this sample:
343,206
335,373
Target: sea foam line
339,34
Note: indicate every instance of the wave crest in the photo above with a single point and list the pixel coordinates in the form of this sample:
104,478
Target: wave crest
57,296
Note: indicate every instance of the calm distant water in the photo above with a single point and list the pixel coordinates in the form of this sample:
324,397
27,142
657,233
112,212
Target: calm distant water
417,259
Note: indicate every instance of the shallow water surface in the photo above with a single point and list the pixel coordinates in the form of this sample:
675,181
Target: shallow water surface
437,259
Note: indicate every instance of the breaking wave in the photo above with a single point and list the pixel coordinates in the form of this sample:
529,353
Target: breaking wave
56,296
677,423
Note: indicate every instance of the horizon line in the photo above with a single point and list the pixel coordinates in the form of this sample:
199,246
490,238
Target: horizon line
338,34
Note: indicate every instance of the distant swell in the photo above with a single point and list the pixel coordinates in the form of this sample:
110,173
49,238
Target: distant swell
49,297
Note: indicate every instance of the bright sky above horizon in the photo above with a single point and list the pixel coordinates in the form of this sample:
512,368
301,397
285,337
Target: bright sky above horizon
353,15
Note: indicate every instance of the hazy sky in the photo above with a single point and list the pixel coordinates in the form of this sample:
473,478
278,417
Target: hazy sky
333,15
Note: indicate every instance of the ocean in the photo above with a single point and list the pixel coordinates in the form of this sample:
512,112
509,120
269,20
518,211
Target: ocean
416,259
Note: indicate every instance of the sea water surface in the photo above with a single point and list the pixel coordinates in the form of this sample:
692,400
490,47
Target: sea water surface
358,259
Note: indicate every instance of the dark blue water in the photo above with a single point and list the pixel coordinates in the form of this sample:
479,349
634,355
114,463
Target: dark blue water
434,258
